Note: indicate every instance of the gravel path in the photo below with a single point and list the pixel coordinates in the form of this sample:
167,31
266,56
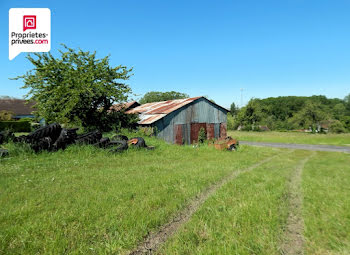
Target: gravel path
310,147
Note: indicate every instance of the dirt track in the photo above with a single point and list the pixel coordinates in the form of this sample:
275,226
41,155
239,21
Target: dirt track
293,242
310,147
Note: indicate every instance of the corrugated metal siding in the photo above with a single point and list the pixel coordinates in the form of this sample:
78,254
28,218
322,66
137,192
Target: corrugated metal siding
210,131
223,130
199,111
178,133
217,130
186,129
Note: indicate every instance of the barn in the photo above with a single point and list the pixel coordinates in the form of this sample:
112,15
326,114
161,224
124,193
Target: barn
179,121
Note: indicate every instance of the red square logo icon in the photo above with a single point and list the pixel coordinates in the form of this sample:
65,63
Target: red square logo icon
29,22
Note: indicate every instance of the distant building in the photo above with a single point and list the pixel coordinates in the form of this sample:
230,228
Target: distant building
179,121
19,107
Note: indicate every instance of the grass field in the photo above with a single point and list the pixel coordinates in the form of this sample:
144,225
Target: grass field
247,216
292,137
87,201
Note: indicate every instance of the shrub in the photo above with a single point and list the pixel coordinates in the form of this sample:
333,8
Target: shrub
202,136
15,126
232,124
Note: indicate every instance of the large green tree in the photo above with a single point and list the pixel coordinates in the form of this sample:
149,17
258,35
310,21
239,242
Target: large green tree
76,87
156,96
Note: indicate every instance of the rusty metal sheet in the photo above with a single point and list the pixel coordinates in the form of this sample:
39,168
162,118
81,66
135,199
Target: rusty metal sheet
210,131
178,134
162,107
223,130
149,119
124,106
159,108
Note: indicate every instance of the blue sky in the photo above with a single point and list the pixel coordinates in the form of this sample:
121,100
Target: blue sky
213,48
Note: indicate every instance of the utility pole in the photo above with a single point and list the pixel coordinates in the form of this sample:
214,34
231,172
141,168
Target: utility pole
241,97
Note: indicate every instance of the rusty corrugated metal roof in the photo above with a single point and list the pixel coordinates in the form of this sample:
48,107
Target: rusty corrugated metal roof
164,107
126,106
152,112
150,118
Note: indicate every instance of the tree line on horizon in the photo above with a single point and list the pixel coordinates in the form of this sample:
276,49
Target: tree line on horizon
316,113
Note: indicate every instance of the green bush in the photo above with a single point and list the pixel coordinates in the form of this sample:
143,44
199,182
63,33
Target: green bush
15,126
232,124
202,136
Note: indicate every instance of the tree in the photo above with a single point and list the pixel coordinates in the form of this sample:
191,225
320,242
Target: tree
250,115
339,111
76,88
337,127
347,102
233,109
156,96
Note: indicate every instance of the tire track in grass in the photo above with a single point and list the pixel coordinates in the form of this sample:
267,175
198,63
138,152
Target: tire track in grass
293,241
154,240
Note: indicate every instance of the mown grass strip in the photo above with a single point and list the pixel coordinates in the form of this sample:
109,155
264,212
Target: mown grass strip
326,206
155,240
246,216
86,200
